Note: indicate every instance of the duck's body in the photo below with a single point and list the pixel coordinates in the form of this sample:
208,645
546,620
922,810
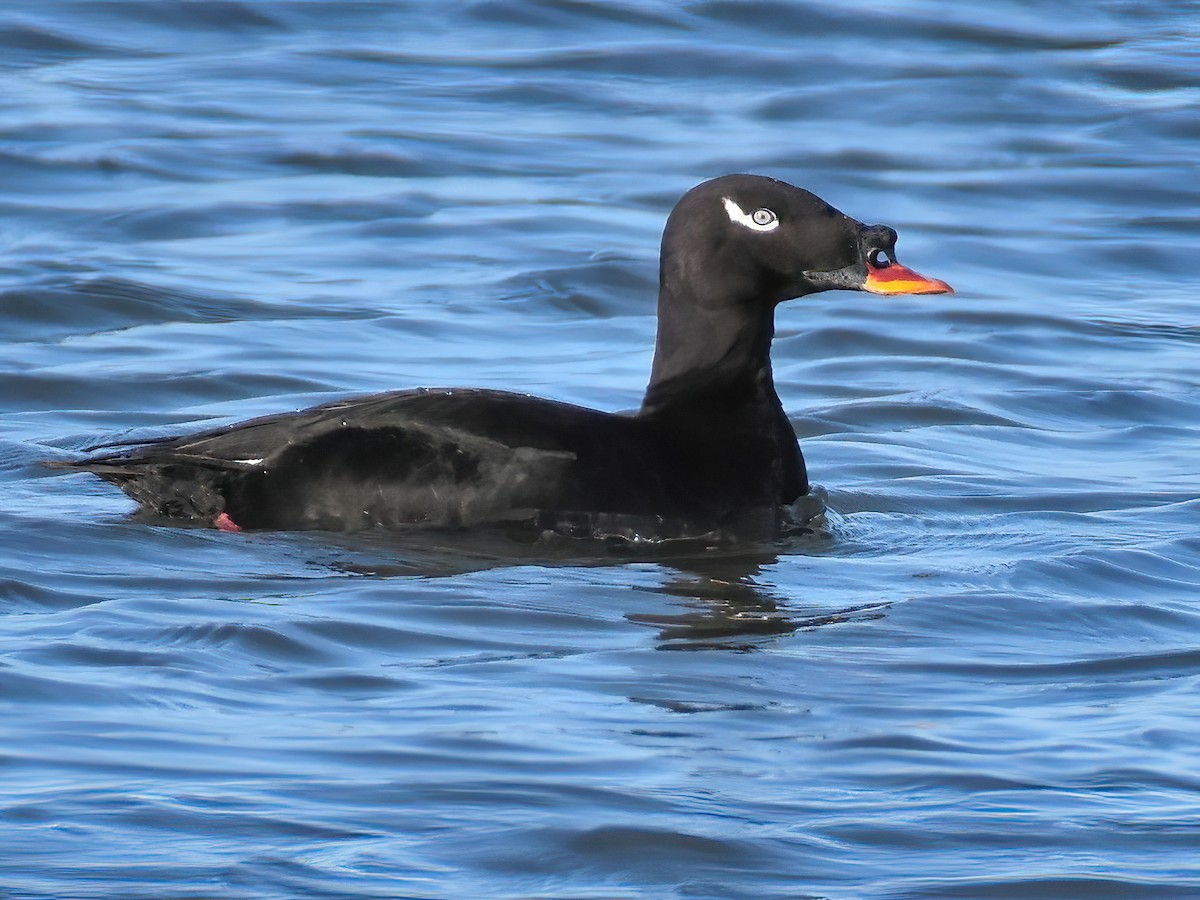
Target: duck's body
457,457
711,447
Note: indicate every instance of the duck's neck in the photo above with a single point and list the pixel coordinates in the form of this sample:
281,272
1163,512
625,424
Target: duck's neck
711,392
705,353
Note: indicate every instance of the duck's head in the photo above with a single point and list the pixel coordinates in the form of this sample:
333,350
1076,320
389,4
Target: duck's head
744,239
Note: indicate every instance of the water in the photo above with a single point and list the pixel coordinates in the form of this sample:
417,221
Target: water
977,679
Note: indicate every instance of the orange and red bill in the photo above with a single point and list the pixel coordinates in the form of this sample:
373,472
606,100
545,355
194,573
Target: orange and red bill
897,279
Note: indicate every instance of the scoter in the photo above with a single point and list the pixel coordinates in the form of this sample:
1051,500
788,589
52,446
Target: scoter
709,451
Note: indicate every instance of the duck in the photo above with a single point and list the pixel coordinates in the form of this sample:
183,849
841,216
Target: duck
709,451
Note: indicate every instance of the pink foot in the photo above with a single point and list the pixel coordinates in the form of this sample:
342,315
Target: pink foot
224,523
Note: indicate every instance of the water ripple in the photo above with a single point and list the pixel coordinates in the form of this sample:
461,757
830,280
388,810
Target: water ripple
970,668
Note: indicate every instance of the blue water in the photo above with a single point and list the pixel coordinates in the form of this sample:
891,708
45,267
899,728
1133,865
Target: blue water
976,678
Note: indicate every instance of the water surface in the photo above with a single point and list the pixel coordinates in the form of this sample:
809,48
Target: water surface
977,678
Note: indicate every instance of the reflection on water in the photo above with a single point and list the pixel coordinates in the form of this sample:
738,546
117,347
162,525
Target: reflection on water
724,601
726,608
724,596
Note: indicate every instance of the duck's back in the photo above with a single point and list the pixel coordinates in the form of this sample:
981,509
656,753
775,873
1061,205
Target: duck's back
438,457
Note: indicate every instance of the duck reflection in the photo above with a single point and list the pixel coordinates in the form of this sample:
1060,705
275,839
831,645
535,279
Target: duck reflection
724,596
727,608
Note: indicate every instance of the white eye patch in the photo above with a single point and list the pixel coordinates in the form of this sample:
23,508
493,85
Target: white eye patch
759,220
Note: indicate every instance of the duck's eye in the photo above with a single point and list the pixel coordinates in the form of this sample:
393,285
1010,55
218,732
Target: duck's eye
760,220
878,258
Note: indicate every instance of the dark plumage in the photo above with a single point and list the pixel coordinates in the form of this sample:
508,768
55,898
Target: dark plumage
710,448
